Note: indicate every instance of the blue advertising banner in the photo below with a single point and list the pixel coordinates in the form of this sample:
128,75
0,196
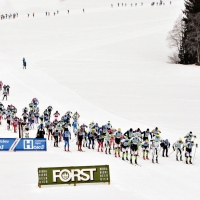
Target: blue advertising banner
6,143
29,144
23,144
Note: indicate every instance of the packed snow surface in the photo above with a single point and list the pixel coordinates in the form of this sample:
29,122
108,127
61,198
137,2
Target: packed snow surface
107,64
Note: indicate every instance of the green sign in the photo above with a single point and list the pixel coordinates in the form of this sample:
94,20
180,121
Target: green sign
73,175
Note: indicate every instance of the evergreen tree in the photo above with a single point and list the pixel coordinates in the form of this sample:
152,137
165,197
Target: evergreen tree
187,52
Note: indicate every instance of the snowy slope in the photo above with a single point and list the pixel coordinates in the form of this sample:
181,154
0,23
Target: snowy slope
107,64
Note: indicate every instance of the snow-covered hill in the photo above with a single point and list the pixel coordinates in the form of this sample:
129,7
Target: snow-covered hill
107,64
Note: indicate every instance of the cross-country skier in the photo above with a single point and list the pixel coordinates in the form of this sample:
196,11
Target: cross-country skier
47,124
35,101
41,131
27,128
75,125
9,121
56,115
145,149
178,147
134,145
4,87
188,150
91,136
190,136
100,139
118,135
50,130
165,145
138,133
31,106
15,123
49,109
125,143
25,110
56,135
60,130
108,125
66,137
24,61
5,94
76,115
85,139
91,125
41,119
25,116
146,135
155,131
108,137
8,89
37,115
80,135
112,139
155,146
129,134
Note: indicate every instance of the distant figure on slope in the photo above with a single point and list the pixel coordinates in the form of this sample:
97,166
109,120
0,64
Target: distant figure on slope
5,94
83,10
24,63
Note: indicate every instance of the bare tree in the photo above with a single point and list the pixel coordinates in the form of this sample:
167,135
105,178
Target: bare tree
174,38
173,58
194,34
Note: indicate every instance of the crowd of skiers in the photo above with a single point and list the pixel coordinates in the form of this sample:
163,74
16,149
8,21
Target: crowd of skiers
9,16
105,138
126,145
131,4
54,13
14,15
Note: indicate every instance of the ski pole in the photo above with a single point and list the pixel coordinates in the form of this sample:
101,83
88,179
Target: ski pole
195,152
171,152
73,139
